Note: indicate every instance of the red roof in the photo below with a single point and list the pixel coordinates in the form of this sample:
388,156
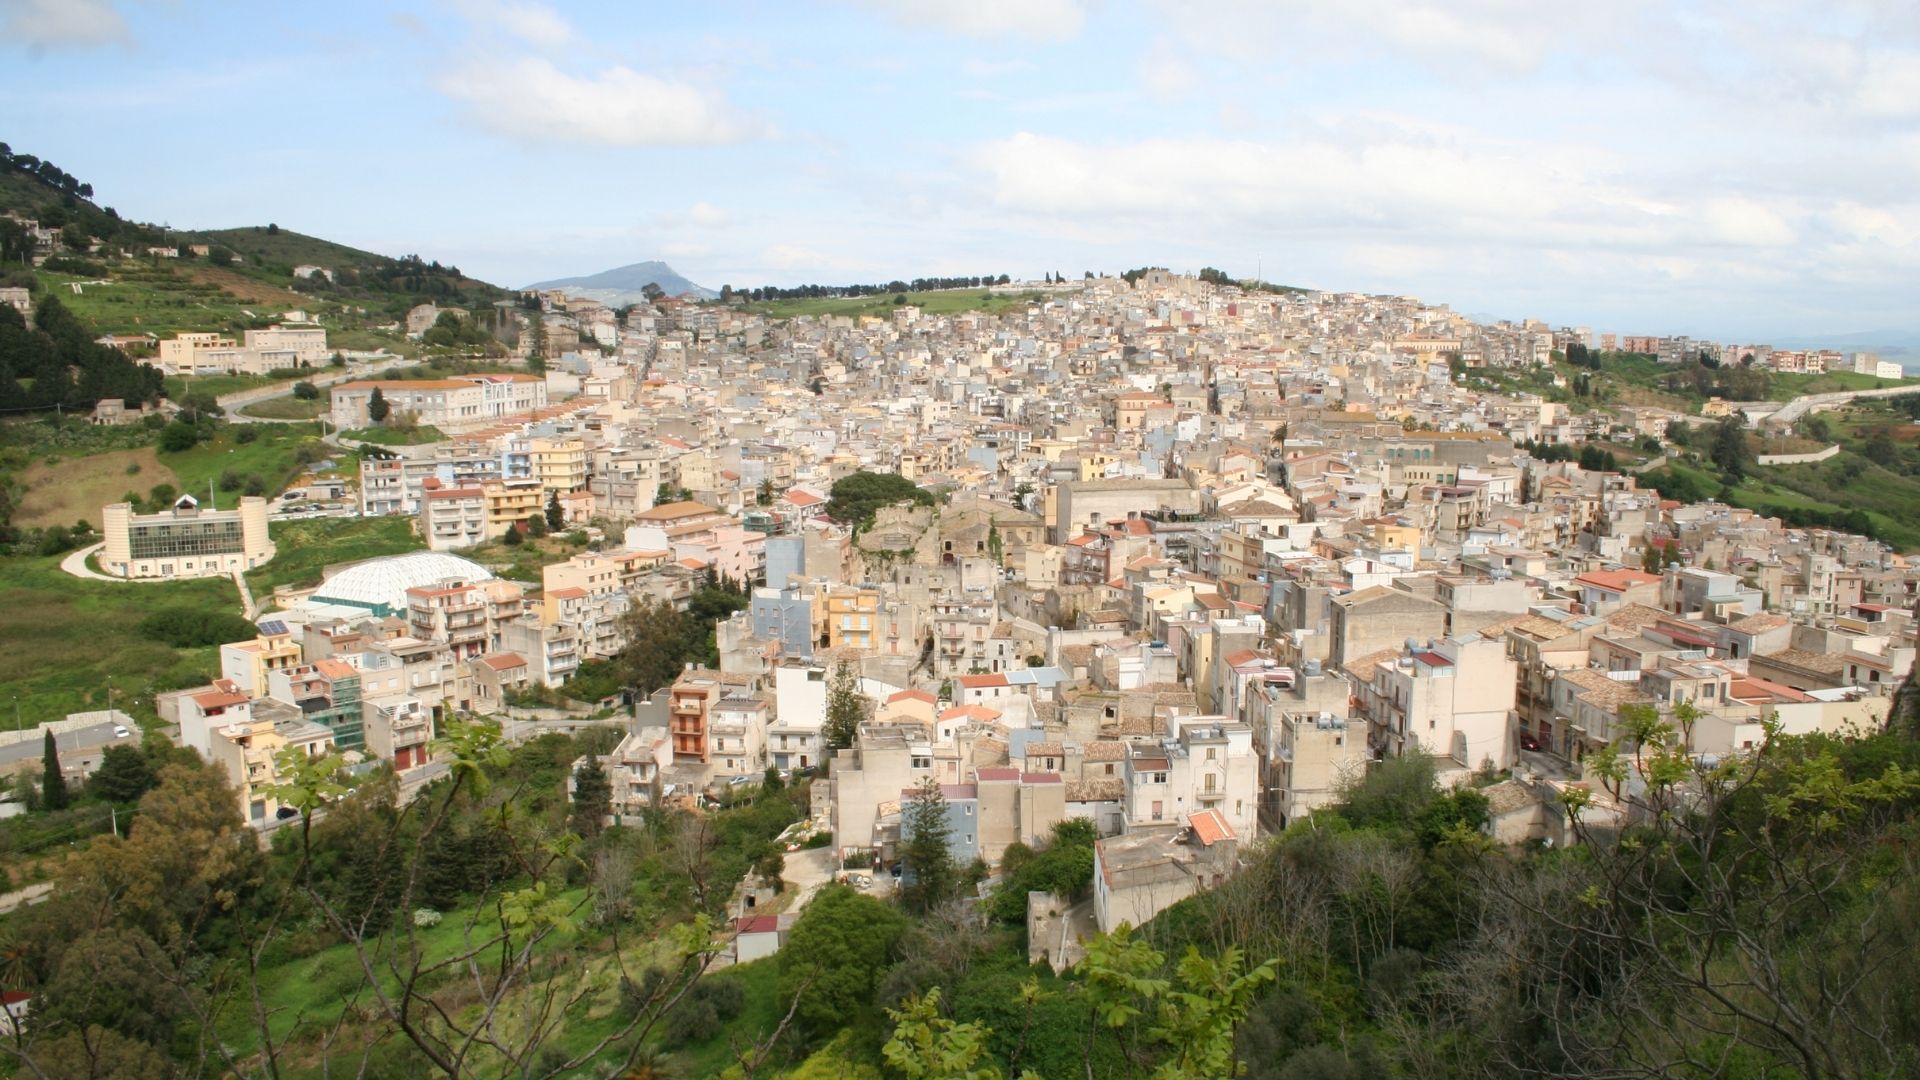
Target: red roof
911,695
985,775
757,924
1617,580
1209,827
978,682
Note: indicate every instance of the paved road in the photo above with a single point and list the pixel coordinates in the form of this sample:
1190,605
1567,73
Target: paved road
1793,410
357,369
76,564
91,737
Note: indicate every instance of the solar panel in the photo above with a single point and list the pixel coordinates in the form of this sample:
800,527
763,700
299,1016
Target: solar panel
273,628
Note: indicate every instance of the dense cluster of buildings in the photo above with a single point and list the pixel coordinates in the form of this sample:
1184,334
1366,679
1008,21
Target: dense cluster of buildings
1198,557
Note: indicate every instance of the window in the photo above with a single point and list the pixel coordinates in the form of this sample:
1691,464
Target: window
969,810
1210,753
1158,810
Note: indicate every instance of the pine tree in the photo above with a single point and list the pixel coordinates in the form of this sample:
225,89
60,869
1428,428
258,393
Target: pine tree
556,517
53,782
930,875
846,708
592,798
377,407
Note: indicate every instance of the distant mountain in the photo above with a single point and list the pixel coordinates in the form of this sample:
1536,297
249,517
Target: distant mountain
626,284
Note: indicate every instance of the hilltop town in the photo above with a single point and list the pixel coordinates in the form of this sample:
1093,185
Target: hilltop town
1134,572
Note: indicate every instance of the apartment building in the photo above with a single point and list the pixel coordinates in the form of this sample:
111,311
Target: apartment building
452,518
460,401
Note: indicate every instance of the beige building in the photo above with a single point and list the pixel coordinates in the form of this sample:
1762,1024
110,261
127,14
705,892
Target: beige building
452,517
458,401
185,541
560,464
1140,874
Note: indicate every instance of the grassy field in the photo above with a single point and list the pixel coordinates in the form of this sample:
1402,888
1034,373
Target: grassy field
178,386
153,299
943,302
306,548
272,455
1890,500
75,488
67,637
425,433
287,407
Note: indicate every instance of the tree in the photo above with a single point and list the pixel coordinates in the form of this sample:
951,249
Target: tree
179,436
592,798
658,643
834,955
846,707
377,407
927,1046
929,878
556,517
512,537
855,498
124,775
1730,453
53,782
537,526
305,391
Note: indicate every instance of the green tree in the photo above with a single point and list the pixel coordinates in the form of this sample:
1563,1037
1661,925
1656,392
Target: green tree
846,707
537,526
927,1046
377,408
592,798
556,517
834,956
53,782
855,498
179,436
124,775
512,537
305,391
930,878
658,644
1730,453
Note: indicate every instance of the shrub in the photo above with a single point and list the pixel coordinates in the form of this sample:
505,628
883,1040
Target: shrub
186,628
178,437
246,434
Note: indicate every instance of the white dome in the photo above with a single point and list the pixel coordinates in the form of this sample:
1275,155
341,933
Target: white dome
381,584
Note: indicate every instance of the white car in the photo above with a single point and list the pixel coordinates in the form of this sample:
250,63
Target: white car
120,732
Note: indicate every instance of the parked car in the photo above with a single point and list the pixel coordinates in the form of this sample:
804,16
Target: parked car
120,732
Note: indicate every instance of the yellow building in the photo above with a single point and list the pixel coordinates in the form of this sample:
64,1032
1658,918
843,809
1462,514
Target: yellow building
853,618
560,464
510,502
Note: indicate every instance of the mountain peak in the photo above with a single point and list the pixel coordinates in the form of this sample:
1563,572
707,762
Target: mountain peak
625,284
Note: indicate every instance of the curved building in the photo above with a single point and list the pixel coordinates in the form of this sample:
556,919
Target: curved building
380,585
185,541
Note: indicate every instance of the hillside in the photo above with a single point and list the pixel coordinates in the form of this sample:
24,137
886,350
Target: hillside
627,284
246,274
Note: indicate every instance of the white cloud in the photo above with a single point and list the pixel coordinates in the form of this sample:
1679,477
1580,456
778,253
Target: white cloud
53,23
1045,20
793,257
530,98
536,24
705,213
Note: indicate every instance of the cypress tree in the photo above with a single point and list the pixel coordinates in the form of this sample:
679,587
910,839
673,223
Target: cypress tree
53,782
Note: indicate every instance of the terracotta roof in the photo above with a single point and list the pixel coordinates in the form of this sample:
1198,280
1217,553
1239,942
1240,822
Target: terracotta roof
979,682
504,661
912,695
1209,827
1617,580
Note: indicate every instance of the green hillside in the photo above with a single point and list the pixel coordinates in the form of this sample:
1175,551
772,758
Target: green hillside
244,278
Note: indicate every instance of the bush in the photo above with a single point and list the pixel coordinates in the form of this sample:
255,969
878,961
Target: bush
306,391
246,434
186,628
231,480
178,437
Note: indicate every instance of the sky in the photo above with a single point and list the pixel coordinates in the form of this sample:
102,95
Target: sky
1735,169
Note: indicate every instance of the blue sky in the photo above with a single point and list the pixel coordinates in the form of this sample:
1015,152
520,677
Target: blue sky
1731,169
